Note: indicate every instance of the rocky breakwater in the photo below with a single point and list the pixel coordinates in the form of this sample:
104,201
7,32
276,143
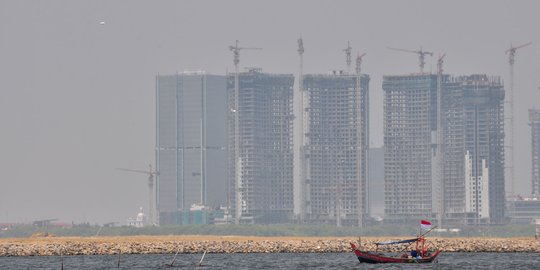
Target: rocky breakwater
238,244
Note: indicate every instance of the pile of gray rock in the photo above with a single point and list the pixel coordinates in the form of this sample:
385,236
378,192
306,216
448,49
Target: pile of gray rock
173,244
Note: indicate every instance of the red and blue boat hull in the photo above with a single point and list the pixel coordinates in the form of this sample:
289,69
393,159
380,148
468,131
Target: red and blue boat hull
368,257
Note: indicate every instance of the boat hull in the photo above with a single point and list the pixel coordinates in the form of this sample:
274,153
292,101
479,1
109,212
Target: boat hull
367,257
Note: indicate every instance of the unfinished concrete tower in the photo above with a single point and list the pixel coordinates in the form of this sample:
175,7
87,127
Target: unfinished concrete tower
262,191
335,169
472,131
409,122
483,134
473,138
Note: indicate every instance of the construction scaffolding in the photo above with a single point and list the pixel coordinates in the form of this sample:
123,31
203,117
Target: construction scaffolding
335,163
262,191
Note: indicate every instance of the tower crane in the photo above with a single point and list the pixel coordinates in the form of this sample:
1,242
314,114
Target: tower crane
238,161
300,173
359,63
236,54
151,173
510,141
364,208
348,56
439,175
421,56
512,52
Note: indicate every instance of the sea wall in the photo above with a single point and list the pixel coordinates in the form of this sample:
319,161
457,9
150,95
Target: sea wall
231,244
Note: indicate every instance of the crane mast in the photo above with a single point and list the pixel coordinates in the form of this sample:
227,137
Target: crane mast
151,174
236,111
348,51
299,182
359,63
439,174
365,147
510,134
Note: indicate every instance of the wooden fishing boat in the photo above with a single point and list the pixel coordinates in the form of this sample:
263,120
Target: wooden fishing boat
373,257
419,254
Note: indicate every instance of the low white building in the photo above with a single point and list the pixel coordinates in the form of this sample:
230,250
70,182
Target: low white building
139,221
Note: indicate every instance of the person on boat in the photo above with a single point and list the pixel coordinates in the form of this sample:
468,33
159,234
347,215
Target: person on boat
415,255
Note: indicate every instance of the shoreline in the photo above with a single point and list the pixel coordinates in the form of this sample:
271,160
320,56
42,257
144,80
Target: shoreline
186,244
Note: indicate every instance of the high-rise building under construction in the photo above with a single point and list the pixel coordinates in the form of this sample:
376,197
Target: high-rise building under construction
473,143
472,137
534,122
335,148
260,121
191,140
409,121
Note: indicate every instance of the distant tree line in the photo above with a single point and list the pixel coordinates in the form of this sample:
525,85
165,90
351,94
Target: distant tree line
266,230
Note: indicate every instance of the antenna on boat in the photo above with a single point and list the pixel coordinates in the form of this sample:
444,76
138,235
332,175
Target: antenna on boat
428,231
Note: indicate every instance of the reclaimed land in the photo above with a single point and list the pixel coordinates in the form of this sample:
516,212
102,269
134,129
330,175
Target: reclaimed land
106,245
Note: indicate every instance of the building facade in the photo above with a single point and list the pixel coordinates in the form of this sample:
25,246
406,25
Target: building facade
472,146
191,142
473,150
476,188
526,210
335,148
376,183
483,142
409,122
260,121
534,122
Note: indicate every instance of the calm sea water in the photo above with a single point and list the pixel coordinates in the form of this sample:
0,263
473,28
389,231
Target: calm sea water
270,261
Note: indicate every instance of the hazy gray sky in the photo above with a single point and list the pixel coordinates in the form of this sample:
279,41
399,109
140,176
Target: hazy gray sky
77,97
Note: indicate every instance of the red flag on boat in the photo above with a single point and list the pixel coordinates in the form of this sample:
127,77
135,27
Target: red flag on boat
424,224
